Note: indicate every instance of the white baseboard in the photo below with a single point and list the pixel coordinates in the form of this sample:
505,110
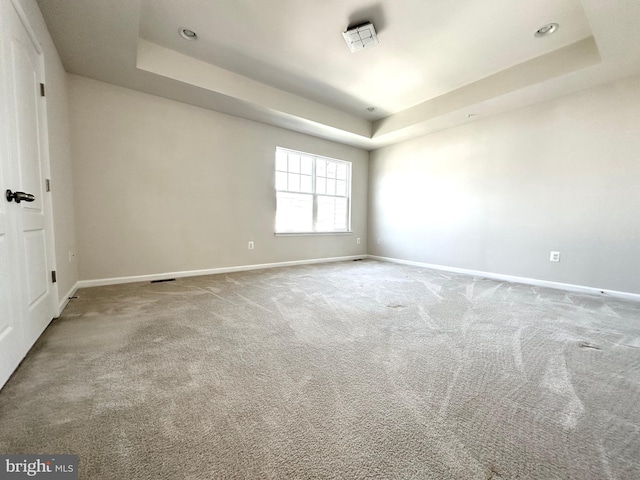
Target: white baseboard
65,300
511,278
210,271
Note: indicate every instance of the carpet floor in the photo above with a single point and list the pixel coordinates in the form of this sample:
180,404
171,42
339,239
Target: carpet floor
351,370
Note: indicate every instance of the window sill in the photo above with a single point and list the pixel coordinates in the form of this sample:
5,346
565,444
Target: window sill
304,234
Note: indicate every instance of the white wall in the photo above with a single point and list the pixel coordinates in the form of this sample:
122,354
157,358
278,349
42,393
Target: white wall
162,186
59,154
497,195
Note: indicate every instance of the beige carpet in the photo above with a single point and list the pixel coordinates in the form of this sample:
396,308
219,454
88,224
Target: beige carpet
351,370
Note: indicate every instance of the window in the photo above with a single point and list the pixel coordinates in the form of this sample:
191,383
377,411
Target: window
313,193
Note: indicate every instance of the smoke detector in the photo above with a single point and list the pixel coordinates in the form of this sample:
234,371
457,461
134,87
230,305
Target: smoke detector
361,37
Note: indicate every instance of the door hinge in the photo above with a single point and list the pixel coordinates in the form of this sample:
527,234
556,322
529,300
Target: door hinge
54,278
42,89
47,185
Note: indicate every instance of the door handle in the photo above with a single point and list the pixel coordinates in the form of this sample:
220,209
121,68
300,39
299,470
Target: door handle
19,196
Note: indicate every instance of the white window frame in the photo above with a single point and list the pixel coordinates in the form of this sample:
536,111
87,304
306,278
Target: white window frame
314,194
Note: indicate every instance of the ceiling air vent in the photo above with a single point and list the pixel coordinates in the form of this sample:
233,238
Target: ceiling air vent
361,37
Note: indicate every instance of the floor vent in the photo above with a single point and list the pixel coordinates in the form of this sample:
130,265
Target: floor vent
164,280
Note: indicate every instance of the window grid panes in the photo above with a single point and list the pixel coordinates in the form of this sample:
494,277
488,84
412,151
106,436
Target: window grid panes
313,193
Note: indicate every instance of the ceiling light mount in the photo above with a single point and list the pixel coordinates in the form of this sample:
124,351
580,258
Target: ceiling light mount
188,34
361,36
545,30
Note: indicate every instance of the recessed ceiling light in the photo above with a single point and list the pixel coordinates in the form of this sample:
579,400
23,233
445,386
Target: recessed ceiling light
545,30
188,34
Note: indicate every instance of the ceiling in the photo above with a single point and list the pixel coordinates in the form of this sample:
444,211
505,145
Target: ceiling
439,63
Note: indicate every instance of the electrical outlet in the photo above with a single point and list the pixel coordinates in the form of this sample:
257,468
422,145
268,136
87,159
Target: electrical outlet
554,257
358,240
251,245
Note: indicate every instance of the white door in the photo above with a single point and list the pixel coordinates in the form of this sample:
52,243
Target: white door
28,167
11,336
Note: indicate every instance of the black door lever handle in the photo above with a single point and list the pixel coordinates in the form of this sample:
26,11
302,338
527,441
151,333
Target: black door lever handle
19,196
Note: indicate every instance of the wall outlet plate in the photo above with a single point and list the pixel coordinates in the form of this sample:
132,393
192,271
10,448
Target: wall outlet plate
251,245
358,240
554,257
